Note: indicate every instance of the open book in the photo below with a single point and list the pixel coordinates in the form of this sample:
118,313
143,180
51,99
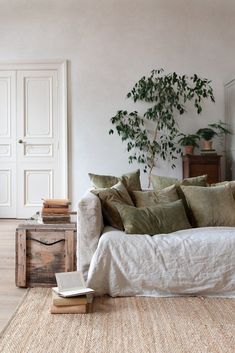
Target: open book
71,284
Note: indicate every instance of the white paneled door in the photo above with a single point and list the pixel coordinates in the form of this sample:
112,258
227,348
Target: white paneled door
7,144
33,137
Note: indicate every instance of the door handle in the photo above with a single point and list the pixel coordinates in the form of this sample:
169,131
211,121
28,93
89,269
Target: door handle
21,141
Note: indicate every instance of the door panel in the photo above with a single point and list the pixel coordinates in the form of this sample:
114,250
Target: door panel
38,183
37,127
7,144
5,187
38,113
5,108
37,150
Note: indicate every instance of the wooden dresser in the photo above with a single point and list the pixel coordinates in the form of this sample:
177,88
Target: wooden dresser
194,165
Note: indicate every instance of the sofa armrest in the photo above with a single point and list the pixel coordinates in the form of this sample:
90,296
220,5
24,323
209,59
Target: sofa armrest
89,228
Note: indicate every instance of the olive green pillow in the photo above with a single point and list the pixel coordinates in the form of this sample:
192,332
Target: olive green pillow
220,183
130,180
165,218
109,197
200,180
103,181
227,184
161,182
152,198
213,206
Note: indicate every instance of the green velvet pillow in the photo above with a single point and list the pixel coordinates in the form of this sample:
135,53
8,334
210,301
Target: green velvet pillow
222,183
165,218
161,182
152,198
103,181
230,184
212,206
200,180
109,197
130,180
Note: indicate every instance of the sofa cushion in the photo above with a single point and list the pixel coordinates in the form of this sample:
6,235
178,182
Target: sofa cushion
165,218
152,198
161,182
212,206
103,181
230,184
109,197
130,180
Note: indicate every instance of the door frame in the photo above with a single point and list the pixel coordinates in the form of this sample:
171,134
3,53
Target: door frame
227,85
61,67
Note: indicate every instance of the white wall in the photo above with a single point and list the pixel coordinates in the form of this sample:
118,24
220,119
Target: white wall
110,44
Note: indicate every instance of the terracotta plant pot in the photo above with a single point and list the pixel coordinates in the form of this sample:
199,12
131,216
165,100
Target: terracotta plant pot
188,149
207,145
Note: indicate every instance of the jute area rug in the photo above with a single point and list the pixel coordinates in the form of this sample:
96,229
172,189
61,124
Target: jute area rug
120,325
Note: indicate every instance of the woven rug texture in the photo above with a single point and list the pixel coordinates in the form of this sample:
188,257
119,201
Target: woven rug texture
123,325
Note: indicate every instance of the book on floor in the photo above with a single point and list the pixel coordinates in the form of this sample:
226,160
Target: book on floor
57,300
73,309
71,284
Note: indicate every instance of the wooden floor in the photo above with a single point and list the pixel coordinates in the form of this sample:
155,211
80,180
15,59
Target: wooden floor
10,295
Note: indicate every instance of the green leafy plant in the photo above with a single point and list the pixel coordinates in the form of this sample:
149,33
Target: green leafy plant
189,140
166,96
216,129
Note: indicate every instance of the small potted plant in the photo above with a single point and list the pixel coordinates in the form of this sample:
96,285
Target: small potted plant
188,142
208,133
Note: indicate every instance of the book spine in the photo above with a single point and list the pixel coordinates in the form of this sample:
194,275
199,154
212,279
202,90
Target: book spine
74,309
57,210
69,302
55,217
56,203
55,222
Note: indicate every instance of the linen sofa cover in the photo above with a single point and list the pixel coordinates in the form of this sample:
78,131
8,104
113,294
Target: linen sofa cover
199,261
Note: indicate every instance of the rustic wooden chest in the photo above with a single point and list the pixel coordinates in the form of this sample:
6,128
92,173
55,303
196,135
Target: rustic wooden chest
41,251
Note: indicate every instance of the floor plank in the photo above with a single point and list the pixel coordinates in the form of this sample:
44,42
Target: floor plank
10,295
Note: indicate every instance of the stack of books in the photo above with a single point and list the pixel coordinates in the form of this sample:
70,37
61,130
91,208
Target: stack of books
205,152
71,296
70,305
55,211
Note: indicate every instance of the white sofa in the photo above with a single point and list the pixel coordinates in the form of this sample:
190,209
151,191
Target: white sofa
198,261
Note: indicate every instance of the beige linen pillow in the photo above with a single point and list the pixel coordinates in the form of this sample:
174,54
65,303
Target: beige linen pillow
109,197
161,182
213,206
165,218
130,180
152,198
